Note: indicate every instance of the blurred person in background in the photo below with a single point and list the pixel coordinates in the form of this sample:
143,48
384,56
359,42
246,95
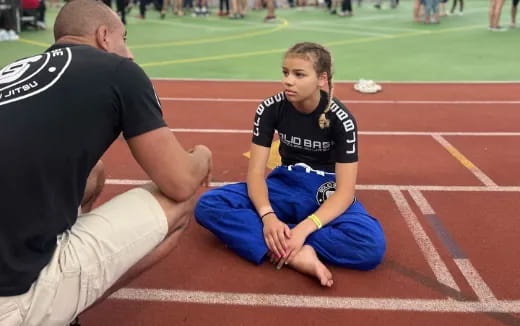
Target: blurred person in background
37,9
514,6
7,23
495,9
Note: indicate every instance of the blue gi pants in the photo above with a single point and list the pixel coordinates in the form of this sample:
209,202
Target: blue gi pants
354,239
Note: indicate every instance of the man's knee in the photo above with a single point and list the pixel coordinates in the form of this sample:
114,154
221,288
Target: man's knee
94,186
180,217
178,214
96,178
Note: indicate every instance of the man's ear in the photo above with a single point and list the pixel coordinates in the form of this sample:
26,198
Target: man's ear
102,37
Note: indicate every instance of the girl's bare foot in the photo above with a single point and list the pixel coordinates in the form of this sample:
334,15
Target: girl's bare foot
306,261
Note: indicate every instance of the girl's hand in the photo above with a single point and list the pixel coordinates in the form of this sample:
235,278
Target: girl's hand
294,244
276,234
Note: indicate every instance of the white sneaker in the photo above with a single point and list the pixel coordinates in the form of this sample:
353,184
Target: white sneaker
12,36
41,25
367,86
498,29
3,35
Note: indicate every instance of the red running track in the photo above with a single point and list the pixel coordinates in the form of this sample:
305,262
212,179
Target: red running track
438,167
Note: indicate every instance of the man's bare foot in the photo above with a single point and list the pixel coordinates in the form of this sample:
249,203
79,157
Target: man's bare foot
306,261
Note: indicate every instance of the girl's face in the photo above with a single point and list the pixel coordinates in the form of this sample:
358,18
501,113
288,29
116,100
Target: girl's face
300,81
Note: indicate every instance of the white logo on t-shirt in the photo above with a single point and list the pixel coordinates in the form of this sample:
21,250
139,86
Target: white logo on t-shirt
30,76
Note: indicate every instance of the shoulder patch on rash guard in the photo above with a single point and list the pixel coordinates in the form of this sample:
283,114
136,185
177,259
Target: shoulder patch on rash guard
348,124
261,108
276,98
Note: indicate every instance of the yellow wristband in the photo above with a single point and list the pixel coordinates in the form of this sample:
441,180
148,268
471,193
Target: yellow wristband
316,220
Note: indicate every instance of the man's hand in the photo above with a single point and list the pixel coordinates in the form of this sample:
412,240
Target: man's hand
205,154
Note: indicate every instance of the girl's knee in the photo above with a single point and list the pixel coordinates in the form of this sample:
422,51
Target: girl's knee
374,253
376,258
200,208
366,254
207,204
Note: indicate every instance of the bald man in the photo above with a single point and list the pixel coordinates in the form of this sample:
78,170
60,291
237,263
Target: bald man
59,112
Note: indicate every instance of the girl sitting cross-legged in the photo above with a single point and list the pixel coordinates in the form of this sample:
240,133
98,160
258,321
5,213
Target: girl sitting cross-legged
304,213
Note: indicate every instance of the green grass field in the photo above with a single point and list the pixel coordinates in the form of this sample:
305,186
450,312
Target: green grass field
384,45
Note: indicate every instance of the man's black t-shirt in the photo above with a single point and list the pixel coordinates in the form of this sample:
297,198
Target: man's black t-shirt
301,138
59,112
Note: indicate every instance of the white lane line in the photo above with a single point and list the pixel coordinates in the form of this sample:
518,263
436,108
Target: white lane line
467,269
476,282
124,182
423,241
302,301
136,182
370,133
447,133
245,100
421,202
343,81
440,188
464,161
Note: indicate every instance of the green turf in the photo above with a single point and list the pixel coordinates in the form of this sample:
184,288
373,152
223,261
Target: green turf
374,44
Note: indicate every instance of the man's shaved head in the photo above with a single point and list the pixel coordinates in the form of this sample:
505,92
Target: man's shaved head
83,17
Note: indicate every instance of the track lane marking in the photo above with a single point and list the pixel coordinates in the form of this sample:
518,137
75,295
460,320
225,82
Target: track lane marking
249,100
479,174
470,273
372,133
324,302
434,260
387,187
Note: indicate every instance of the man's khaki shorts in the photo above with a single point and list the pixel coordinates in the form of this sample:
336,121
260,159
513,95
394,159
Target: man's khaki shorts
89,258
